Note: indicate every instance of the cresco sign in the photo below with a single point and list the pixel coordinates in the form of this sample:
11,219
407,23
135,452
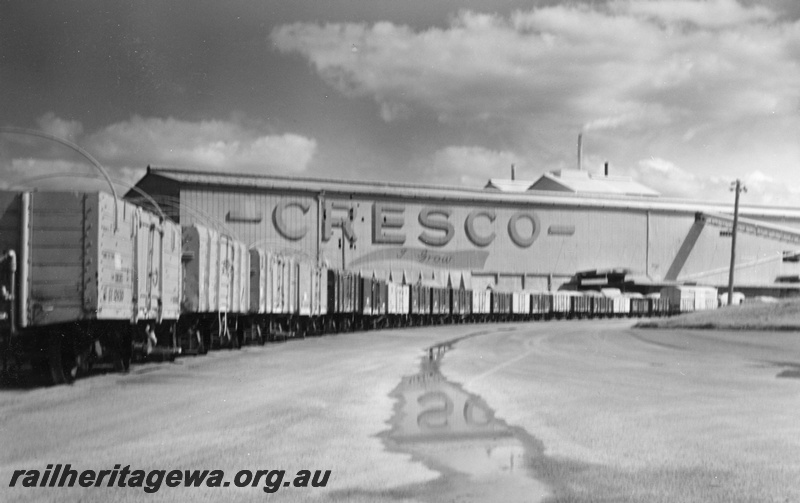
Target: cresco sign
438,225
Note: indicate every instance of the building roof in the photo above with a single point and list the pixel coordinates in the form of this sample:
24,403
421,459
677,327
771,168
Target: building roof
608,200
505,185
583,182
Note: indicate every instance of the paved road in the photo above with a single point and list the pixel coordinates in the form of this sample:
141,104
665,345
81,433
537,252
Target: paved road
589,408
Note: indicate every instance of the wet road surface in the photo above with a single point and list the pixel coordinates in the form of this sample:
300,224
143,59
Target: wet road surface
514,413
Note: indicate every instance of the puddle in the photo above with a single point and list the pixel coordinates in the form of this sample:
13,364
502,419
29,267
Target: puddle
456,433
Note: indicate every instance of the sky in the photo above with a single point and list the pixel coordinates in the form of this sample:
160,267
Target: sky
682,95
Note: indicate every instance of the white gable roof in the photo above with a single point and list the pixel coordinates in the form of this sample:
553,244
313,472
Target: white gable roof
584,182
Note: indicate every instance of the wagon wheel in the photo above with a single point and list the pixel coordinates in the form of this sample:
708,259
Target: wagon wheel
127,354
260,335
238,337
122,351
226,338
61,360
232,336
202,347
85,360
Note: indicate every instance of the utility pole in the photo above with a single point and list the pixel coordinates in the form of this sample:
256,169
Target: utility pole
738,188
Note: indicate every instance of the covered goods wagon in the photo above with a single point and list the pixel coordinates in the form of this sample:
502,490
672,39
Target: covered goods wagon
86,276
685,299
216,289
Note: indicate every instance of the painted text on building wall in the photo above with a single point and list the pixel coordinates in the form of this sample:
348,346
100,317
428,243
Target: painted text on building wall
388,221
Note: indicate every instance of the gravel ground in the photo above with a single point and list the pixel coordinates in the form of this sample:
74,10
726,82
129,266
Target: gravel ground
311,404
617,415
781,315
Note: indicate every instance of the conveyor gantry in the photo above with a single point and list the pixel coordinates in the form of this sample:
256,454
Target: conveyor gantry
754,227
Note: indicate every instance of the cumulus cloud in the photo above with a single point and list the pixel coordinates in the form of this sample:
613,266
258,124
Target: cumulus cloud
618,61
700,83
60,128
212,145
124,149
64,174
705,13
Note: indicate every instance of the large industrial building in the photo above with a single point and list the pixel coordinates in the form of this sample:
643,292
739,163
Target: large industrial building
536,235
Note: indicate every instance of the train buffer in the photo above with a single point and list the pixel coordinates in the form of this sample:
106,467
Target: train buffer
155,353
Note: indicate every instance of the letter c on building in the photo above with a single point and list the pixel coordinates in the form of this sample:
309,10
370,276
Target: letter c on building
280,221
469,227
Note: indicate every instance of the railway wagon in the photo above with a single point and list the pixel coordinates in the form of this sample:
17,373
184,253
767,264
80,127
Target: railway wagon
561,303
306,288
481,304
658,306
680,298
216,290
321,294
260,295
399,303
421,304
372,301
621,305
639,306
541,305
439,296
309,297
580,305
705,297
380,296
501,305
602,307
278,290
288,297
240,277
468,294
366,296
460,296
738,298
85,279
240,291
286,284
456,302
157,262
460,304
343,293
441,301
684,299
521,305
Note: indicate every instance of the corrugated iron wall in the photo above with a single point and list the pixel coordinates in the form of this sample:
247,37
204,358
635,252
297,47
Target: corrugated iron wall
250,217
517,245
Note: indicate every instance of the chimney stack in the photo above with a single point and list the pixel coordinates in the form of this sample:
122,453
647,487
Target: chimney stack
513,172
580,150
606,168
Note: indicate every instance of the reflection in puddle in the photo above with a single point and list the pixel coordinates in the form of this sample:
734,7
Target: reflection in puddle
454,432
